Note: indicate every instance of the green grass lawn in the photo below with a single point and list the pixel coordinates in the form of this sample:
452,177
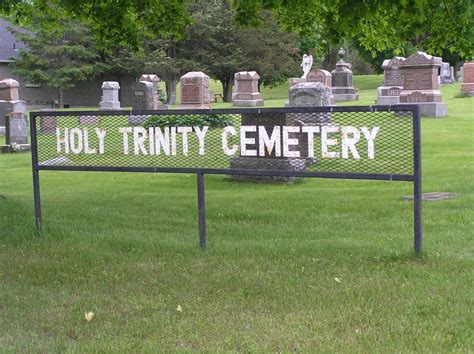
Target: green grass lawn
316,266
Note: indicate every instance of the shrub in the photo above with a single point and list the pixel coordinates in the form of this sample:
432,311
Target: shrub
210,120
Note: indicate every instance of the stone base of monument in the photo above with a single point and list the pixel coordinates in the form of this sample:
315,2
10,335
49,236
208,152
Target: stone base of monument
15,148
432,109
387,100
109,106
267,163
194,106
248,103
344,94
467,89
346,97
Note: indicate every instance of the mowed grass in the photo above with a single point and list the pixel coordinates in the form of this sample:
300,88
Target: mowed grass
316,266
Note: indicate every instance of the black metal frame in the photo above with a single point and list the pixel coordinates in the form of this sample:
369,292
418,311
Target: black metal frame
200,172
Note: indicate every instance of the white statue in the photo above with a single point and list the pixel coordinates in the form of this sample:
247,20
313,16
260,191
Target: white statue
306,64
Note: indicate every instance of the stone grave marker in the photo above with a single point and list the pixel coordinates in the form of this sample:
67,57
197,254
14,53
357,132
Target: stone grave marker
322,76
342,88
461,74
467,86
16,132
446,74
110,96
142,95
195,93
9,101
47,125
389,92
247,94
420,84
9,90
155,80
86,120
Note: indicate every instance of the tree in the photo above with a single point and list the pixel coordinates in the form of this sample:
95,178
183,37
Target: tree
216,44
57,55
211,43
273,53
432,25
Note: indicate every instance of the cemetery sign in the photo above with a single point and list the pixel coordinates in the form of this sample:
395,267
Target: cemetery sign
377,143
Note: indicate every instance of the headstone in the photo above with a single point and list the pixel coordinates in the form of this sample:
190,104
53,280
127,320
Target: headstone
247,94
195,92
342,88
16,133
142,95
309,94
296,80
9,90
9,101
306,94
269,161
110,96
446,74
48,125
389,92
420,84
86,120
467,86
461,74
324,77
155,80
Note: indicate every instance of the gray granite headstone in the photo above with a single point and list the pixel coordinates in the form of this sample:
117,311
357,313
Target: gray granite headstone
142,95
110,96
342,87
155,80
389,92
48,125
446,74
16,132
6,107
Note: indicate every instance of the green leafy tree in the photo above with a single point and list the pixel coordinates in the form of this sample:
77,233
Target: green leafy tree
59,53
437,26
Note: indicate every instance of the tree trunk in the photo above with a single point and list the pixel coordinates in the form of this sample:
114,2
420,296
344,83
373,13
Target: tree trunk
170,91
61,99
227,89
330,59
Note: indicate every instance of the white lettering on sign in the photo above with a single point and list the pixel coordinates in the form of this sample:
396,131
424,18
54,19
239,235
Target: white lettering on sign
225,142
310,131
201,134
348,143
370,136
270,143
282,141
77,141
326,142
287,141
244,141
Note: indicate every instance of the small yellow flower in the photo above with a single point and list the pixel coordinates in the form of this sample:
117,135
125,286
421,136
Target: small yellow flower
179,308
338,280
89,316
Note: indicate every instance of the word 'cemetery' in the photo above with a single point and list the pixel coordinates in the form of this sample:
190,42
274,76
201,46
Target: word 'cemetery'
156,141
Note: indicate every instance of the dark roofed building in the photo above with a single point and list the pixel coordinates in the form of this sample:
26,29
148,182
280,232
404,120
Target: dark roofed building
9,44
87,93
